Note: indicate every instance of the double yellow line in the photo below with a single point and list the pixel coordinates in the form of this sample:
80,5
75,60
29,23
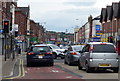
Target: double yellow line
21,71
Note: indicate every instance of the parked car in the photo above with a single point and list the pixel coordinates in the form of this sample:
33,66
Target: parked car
73,54
97,55
40,53
57,52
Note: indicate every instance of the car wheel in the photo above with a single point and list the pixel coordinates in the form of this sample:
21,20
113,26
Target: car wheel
65,61
79,66
116,70
62,57
69,63
88,70
51,64
28,64
54,55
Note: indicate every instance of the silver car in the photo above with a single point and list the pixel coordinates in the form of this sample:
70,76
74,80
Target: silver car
73,54
97,55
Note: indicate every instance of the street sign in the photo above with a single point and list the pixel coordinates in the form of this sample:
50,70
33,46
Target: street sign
97,27
118,38
99,33
19,41
1,31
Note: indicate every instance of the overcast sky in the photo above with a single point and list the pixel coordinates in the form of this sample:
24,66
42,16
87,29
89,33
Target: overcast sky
60,15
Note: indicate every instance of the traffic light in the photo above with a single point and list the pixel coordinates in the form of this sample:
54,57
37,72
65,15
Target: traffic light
6,26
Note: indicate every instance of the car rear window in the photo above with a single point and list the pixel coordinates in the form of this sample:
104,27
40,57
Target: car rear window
77,48
40,48
99,48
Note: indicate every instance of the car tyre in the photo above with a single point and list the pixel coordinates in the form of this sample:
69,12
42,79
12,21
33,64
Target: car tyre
88,69
65,62
79,66
51,64
54,55
62,57
69,63
28,64
116,70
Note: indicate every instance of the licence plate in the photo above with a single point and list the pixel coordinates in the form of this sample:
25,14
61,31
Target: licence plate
105,65
40,57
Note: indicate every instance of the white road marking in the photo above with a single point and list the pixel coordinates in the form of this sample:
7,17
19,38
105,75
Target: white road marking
69,77
55,71
26,72
38,68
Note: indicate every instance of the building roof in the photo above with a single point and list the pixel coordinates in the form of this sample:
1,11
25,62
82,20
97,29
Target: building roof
24,10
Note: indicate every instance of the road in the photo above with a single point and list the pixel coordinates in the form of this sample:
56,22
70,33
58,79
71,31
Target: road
58,71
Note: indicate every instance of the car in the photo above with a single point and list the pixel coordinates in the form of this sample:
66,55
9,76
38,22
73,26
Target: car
99,55
40,53
73,54
57,52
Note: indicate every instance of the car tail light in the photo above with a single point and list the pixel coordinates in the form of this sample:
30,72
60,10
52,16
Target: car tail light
49,53
39,46
103,43
74,53
30,53
91,49
116,49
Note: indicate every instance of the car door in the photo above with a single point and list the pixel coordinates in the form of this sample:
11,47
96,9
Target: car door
68,54
85,55
82,56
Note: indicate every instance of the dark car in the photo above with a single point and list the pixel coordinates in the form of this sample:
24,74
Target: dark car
73,54
40,54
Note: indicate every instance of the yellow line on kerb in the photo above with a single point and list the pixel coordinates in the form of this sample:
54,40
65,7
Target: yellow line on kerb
23,70
19,71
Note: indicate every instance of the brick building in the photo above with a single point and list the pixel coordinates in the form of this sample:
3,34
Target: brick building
37,32
89,31
59,37
110,19
21,19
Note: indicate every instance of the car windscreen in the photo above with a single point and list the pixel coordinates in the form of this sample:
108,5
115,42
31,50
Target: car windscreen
103,48
40,49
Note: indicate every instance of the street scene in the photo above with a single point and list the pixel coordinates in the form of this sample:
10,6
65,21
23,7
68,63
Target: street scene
59,40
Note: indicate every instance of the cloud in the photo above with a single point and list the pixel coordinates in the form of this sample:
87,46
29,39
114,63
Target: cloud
60,15
83,3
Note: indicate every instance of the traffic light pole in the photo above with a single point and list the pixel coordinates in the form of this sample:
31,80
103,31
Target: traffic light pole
5,46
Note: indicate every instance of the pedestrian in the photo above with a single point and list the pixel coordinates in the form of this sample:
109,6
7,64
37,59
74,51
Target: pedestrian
19,50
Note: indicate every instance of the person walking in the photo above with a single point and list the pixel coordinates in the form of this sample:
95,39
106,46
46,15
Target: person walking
19,50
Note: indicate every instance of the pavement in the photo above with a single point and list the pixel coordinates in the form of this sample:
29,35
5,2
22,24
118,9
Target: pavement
8,66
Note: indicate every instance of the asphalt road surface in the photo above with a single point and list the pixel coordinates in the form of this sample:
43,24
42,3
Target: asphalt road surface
58,71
